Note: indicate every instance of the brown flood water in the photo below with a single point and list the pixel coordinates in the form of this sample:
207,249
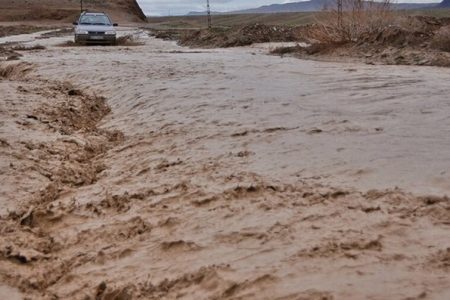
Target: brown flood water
239,176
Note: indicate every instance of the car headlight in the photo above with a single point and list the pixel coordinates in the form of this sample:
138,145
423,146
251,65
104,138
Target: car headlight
81,32
112,32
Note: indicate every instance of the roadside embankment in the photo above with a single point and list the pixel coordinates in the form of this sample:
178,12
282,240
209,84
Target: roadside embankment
407,41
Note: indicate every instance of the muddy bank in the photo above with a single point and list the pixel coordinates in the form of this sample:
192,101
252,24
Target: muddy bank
49,145
236,36
241,36
20,29
59,138
412,41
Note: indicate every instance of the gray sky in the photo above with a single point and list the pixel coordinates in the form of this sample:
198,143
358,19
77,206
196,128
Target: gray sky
181,7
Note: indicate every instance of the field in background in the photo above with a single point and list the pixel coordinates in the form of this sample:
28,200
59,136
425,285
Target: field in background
439,13
294,19
181,22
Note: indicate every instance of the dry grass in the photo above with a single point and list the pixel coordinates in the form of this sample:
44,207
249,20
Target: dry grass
441,39
15,71
357,20
239,36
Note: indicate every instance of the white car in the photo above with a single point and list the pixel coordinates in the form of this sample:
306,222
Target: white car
95,28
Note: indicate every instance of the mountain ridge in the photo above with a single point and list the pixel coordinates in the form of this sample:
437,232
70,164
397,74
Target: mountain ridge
445,4
317,5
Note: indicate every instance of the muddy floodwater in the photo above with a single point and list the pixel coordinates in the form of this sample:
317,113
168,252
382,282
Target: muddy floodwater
162,172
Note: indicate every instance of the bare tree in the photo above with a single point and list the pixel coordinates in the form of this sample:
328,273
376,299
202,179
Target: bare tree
350,20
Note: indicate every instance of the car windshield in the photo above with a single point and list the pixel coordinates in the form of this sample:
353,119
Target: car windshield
95,20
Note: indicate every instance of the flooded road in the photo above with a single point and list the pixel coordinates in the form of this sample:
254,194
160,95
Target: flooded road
232,174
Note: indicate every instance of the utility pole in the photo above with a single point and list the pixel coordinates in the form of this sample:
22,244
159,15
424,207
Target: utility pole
208,11
81,5
339,7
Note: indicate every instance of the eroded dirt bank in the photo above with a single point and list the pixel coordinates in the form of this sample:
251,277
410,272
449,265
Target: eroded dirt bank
405,40
238,176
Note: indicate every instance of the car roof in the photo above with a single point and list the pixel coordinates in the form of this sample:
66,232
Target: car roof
93,14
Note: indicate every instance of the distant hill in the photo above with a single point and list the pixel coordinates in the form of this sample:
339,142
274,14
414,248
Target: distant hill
317,5
68,10
445,4
203,13
312,5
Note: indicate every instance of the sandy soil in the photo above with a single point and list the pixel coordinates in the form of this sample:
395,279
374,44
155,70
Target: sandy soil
221,174
67,10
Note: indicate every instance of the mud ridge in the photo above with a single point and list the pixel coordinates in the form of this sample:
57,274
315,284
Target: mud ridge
70,158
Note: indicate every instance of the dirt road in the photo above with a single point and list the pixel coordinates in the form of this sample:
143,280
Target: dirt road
223,174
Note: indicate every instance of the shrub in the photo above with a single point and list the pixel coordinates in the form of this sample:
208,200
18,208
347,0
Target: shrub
357,20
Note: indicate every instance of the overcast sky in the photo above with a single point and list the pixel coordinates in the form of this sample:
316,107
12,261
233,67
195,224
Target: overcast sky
181,7
177,7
